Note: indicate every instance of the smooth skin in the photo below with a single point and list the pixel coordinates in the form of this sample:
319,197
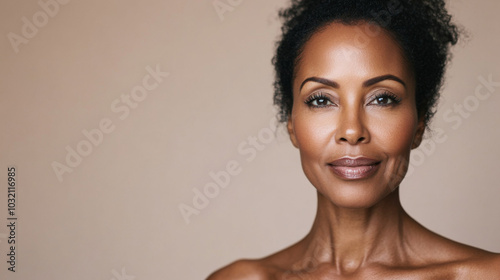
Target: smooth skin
354,98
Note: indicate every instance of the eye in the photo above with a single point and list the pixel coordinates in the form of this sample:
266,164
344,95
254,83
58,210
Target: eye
318,100
385,99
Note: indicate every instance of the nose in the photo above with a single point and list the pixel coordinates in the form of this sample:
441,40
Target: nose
351,127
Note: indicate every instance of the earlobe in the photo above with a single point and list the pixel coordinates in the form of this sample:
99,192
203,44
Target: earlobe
419,134
291,132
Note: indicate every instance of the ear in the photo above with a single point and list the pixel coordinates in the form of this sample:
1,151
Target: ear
291,132
419,134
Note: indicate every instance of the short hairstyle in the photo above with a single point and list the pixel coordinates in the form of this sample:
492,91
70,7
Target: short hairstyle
423,28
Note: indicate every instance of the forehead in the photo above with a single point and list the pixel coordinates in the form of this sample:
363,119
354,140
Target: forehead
352,51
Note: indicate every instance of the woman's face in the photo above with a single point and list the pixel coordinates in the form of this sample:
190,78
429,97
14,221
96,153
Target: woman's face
354,118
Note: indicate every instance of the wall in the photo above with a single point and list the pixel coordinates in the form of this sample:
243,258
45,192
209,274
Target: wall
107,145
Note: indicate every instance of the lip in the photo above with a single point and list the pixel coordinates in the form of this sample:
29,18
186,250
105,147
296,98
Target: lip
349,168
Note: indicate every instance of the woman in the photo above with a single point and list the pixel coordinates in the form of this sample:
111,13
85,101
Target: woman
356,84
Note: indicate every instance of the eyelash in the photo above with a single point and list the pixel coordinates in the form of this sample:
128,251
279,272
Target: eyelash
317,96
395,100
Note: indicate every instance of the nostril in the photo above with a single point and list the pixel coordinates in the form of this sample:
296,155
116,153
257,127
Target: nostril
359,140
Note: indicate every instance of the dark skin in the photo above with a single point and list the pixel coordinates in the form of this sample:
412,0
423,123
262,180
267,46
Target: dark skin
354,99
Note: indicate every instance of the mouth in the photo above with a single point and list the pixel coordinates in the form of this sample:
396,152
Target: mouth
354,168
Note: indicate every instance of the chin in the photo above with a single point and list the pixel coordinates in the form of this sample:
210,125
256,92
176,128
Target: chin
355,195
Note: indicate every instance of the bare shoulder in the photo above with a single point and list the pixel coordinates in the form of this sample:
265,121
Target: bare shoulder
467,262
473,263
443,255
267,268
241,270
483,266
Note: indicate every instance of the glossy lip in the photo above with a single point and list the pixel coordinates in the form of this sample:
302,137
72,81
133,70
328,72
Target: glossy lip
349,168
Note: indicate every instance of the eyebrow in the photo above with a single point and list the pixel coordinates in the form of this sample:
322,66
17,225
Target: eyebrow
321,81
366,83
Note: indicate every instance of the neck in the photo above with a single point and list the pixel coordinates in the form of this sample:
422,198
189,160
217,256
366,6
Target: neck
352,238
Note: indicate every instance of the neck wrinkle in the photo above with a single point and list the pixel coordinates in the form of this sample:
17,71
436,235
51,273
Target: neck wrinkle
351,238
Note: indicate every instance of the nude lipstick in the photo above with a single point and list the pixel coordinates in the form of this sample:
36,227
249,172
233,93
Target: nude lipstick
354,168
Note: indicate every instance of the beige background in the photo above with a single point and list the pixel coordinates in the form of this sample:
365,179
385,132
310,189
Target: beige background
117,213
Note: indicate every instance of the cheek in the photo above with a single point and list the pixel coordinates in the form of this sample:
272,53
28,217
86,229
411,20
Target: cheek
391,136
314,134
314,137
394,133
394,137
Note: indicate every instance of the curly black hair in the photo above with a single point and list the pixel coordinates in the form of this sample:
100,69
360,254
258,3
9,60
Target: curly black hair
423,28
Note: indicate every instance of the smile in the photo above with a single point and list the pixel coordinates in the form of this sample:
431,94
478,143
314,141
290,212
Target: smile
353,169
